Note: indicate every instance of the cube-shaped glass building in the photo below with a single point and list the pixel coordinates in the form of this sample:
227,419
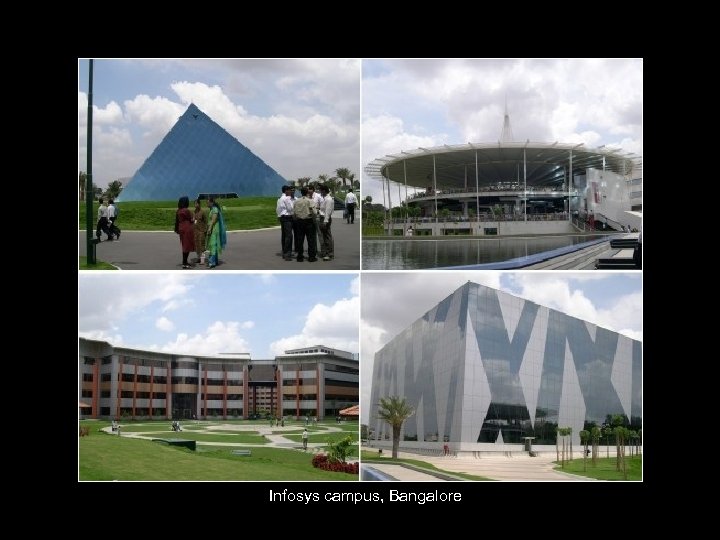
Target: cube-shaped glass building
486,368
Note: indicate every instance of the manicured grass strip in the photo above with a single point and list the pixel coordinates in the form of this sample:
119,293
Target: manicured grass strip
605,468
372,457
105,457
211,437
240,214
99,265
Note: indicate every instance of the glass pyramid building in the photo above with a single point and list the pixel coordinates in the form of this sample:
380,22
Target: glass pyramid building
198,156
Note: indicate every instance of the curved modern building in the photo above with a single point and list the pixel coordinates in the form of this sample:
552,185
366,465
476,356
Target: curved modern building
198,157
486,371
509,187
118,382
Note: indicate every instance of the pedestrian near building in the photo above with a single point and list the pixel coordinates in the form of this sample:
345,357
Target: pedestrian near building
102,223
327,205
184,228
112,217
217,234
304,217
350,203
200,226
305,438
284,211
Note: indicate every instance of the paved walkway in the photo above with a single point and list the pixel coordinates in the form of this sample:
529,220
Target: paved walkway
245,250
275,440
518,468
403,474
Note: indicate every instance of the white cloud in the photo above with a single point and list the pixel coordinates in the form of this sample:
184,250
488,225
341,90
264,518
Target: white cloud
355,286
335,326
219,337
307,119
594,101
266,278
164,324
104,300
246,325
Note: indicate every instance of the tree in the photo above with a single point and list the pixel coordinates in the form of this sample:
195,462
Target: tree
595,433
303,181
114,188
395,410
343,173
83,180
322,178
584,438
339,450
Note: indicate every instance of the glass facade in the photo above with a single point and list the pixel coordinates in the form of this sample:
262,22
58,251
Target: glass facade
198,156
484,366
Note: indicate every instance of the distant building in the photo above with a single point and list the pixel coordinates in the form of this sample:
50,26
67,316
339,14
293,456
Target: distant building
198,156
119,382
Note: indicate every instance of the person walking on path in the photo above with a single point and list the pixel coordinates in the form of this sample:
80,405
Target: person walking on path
305,439
184,227
350,202
102,224
200,226
112,217
217,235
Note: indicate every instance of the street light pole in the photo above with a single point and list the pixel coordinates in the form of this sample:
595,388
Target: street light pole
88,178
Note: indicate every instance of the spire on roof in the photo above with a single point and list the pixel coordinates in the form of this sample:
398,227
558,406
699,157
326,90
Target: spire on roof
507,134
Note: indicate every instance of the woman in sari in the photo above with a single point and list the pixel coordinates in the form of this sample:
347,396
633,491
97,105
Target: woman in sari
201,227
217,235
184,227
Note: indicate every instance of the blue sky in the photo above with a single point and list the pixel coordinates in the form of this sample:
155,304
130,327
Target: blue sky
391,301
301,116
420,103
263,314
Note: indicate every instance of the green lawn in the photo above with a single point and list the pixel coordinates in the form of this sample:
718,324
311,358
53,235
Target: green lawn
240,214
237,437
106,457
99,265
320,437
368,456
605,468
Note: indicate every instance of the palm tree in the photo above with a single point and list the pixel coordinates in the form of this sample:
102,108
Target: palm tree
322,178
343,173
303,181
395,410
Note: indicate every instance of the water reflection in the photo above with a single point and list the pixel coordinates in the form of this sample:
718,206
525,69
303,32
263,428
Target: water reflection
399,255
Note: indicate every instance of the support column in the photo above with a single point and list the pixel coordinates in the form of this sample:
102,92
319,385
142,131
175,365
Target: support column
119,388
224,394
206,393
152,378
168,391
278,382
390,224
96,388
570,186
134,389
477,192
406,193
435,194
525,181
297,392
246,388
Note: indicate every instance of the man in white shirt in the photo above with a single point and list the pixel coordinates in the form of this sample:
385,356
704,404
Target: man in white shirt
284,210
350,202
112,216
327,245
102,224
316,199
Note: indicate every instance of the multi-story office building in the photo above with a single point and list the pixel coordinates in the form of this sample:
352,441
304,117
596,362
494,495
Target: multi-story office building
118,382
484,367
